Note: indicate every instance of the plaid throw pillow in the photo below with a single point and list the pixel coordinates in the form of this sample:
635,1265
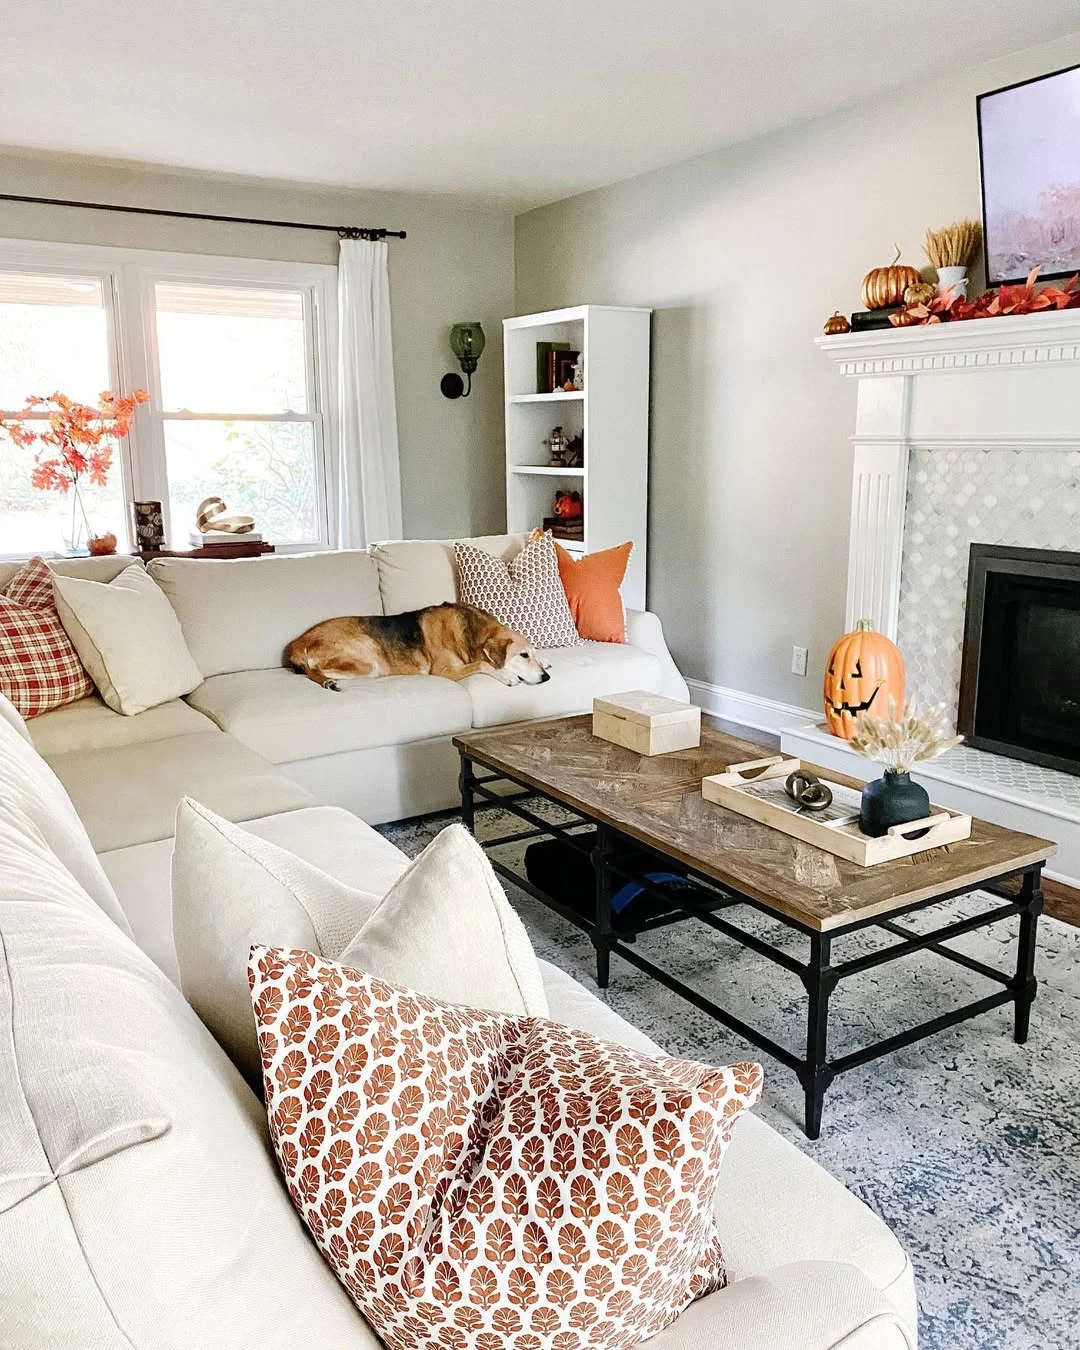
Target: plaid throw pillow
39,668
525,594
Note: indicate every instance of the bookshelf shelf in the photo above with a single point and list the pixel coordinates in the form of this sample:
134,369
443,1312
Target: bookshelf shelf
547,471
611,412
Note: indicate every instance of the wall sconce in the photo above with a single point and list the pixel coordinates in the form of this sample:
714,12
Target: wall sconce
466,342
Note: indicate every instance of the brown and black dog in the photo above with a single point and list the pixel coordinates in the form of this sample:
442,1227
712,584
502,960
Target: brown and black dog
448,640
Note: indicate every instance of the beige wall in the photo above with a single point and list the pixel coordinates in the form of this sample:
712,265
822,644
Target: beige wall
456,264
743,254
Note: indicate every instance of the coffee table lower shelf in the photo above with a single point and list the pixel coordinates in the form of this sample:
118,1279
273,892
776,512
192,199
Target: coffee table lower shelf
819,975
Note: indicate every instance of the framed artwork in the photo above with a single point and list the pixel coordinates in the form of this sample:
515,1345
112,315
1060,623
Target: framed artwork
1029,149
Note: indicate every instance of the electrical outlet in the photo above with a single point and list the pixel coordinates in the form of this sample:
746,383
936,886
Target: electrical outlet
798,660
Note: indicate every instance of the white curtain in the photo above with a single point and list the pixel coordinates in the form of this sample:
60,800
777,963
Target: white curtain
369,487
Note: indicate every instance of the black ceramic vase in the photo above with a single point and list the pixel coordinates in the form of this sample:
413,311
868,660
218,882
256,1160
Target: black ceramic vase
891,800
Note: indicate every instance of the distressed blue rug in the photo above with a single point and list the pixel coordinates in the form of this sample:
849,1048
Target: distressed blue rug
966,1144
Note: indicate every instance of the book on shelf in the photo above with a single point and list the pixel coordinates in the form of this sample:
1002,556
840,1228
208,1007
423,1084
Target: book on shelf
562,528
208,538
545,365
868,320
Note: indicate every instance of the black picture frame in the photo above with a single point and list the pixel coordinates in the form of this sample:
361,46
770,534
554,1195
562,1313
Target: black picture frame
991,279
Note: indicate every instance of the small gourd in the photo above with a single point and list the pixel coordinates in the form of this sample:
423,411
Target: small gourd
919,293
836,325
863,673
884,287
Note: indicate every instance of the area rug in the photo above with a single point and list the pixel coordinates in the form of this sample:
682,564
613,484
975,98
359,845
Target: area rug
966,1144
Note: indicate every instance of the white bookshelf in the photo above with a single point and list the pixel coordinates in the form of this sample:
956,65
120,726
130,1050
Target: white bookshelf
613,413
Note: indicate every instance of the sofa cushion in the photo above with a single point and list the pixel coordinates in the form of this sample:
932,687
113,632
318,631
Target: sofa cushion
525,594
91,724
415,573
139,1204
129,794
578,675
326,836
462,1167
446,928
29,785
811,1215
231,889
286,716
128,638
39,668
241,614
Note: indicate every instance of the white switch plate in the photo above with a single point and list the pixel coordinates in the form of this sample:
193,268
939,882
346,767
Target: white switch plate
798,660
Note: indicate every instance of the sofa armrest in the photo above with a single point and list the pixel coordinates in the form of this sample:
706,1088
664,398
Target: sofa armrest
806,1305
644,631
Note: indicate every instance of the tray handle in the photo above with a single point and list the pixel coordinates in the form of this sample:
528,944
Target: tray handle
757,770
910,827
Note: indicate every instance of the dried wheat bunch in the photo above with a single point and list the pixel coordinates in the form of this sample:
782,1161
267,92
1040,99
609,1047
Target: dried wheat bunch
899,743
955,245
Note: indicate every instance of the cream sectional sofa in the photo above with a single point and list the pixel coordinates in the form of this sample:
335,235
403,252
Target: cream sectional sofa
381,748
139,1201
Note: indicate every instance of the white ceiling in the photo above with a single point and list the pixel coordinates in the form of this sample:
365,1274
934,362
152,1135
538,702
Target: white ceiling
517,100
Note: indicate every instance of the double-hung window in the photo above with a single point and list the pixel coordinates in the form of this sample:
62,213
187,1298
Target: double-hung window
236,355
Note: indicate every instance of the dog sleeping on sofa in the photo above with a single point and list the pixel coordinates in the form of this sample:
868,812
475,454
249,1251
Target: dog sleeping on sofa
450,640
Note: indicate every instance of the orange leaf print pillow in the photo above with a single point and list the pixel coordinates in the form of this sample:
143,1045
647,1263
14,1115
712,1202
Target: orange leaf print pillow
483,1181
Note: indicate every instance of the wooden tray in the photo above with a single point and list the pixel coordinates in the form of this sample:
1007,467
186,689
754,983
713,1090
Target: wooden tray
728,789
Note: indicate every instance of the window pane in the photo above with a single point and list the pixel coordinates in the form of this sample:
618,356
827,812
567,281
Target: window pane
53,335
229,349
260,469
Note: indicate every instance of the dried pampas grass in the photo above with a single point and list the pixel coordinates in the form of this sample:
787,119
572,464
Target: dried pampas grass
955,245
899,743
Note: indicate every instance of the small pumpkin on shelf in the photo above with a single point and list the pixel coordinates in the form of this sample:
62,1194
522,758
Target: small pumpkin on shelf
920,293
836,324
864,672
884,287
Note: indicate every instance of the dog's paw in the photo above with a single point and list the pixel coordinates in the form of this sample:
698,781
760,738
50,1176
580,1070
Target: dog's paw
332,685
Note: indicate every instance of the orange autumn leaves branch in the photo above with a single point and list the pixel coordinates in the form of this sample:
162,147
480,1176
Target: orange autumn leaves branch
79,437
1022,299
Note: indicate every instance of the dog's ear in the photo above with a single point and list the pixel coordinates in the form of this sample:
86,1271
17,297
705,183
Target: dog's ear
495,650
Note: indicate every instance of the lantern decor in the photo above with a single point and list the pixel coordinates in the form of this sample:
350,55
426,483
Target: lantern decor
884,287
864,671
836,324
898,741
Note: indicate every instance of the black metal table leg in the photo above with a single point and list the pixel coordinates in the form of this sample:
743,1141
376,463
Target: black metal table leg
815,1074
601,931
468,815
1024,984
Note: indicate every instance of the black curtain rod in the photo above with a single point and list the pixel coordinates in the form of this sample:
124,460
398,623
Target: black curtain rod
342,231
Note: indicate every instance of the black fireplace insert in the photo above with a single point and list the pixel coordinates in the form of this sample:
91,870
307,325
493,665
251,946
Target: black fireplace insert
1020,679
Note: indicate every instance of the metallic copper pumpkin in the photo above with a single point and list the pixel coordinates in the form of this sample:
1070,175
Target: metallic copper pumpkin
885,286
836,324
919,293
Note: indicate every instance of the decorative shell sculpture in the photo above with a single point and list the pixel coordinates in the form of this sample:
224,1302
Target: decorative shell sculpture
213,514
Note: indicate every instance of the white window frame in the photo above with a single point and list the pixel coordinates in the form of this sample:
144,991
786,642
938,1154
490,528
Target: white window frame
128,277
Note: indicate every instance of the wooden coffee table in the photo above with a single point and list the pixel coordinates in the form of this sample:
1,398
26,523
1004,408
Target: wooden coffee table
634,801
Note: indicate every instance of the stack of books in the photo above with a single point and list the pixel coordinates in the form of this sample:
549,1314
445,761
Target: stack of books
210,538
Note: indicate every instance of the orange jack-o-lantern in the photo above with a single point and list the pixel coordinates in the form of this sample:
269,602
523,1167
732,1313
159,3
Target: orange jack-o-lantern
864,671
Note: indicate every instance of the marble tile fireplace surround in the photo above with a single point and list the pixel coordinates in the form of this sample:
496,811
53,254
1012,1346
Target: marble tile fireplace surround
965,434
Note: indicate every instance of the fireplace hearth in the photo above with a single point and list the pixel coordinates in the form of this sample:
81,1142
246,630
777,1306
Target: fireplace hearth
1020,678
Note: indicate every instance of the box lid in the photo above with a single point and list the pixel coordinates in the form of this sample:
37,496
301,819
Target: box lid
648,710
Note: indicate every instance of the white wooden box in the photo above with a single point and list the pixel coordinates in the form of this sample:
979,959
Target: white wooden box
648,723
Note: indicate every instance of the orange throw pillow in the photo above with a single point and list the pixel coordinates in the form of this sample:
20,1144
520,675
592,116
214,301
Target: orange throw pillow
592,590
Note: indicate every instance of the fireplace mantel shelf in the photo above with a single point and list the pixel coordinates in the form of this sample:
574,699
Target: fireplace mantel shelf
1014,340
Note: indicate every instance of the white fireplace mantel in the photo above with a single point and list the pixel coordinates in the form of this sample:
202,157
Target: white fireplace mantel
1012,382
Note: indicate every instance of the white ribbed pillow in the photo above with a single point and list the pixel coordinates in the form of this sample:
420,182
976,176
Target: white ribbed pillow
525,594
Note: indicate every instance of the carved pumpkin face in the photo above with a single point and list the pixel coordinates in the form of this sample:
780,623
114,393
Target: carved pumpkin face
864,671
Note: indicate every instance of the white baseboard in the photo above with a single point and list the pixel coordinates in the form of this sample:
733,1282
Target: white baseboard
763,714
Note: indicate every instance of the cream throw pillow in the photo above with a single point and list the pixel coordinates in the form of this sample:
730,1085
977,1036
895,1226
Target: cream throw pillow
129,639
445,927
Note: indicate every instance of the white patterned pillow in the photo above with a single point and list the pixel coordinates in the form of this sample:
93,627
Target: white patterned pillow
525,594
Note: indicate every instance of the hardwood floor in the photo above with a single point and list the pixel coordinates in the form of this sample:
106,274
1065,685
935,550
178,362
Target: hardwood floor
1062,902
